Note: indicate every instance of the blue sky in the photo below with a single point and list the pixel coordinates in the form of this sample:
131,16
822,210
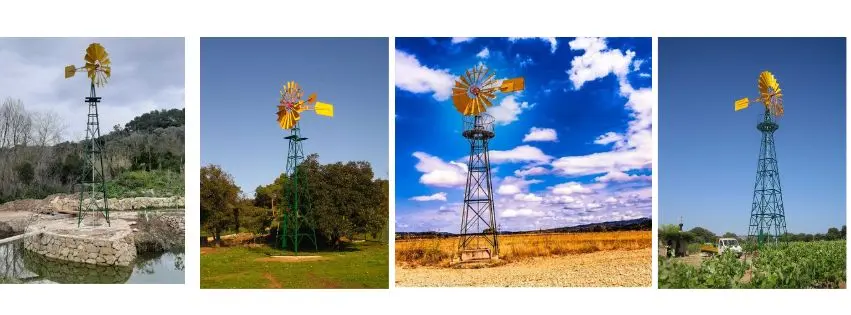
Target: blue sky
574,147
240,80
708,153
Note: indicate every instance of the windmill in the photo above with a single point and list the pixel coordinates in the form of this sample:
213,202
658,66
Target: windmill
768,218
473,93
297,221
98,68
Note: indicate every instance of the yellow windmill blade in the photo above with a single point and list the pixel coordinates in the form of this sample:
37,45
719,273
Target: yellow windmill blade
324,109
741,104
97,64
512,85
287,118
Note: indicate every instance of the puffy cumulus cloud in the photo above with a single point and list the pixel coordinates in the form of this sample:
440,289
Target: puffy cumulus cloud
611,200
511,185
530,197
438,173
523,153
632,149
524,212
458,40
541,134
549,40
570,189
508,110
618,176
414,77
441,196
484,54
149,75
597,62
531,171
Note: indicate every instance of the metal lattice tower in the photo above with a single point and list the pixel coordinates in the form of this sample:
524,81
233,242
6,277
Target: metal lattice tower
478,222
297,223
92,179
768,218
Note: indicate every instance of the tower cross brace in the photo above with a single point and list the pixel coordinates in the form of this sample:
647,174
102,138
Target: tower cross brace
478,221
92,179
297,221
768,217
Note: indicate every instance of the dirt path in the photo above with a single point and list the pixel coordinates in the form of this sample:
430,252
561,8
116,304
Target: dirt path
600,269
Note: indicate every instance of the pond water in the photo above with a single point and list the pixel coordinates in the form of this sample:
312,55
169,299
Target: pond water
18,265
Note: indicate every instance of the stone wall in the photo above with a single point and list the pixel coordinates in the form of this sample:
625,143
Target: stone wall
70,203
61,271
119,250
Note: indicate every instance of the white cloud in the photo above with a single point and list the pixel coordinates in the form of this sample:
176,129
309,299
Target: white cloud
644,75
530,197
597,61
512,185
540,134
458,40
636,65
618,176
484,54
632,149
523,153
611,200
570,189
551,40
438,173
609,137
148,74
414,77
508,189
524,212
532,171
441,196
507,110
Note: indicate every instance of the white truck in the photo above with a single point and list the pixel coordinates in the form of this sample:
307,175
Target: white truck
729,244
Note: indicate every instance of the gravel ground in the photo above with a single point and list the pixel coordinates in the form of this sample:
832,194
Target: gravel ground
600,269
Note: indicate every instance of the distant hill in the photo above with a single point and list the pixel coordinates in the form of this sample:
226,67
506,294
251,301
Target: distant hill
642,224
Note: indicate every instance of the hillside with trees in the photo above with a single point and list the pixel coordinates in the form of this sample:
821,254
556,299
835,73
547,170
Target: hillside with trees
145,157
344,199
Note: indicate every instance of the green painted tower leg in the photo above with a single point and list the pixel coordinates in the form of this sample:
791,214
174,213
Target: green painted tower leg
92,179
768,218
297,222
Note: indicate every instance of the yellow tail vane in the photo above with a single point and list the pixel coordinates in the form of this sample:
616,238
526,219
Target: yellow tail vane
512,85
70,71
324,109
742,104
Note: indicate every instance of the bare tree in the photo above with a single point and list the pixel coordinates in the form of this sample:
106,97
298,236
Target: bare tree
48,128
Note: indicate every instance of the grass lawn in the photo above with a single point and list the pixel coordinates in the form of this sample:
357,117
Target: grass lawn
362,265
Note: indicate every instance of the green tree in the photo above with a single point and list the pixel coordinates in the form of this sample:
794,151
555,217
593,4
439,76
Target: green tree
25,172
218,200
703,235
833,234
842,232
730,235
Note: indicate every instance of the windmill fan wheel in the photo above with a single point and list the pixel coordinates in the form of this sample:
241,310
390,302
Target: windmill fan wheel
474,91
98,66
770,93
291,105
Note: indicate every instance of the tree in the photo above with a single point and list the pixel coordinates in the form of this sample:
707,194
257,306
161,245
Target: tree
833,234
730,235
703,235
25,173
842,232
218,199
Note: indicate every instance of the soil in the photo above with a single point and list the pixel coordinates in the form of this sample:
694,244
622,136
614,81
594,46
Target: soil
600,269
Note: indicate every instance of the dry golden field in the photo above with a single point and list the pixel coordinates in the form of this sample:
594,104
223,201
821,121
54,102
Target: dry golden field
515,247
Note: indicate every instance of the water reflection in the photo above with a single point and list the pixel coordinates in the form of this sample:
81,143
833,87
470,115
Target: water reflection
18,265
